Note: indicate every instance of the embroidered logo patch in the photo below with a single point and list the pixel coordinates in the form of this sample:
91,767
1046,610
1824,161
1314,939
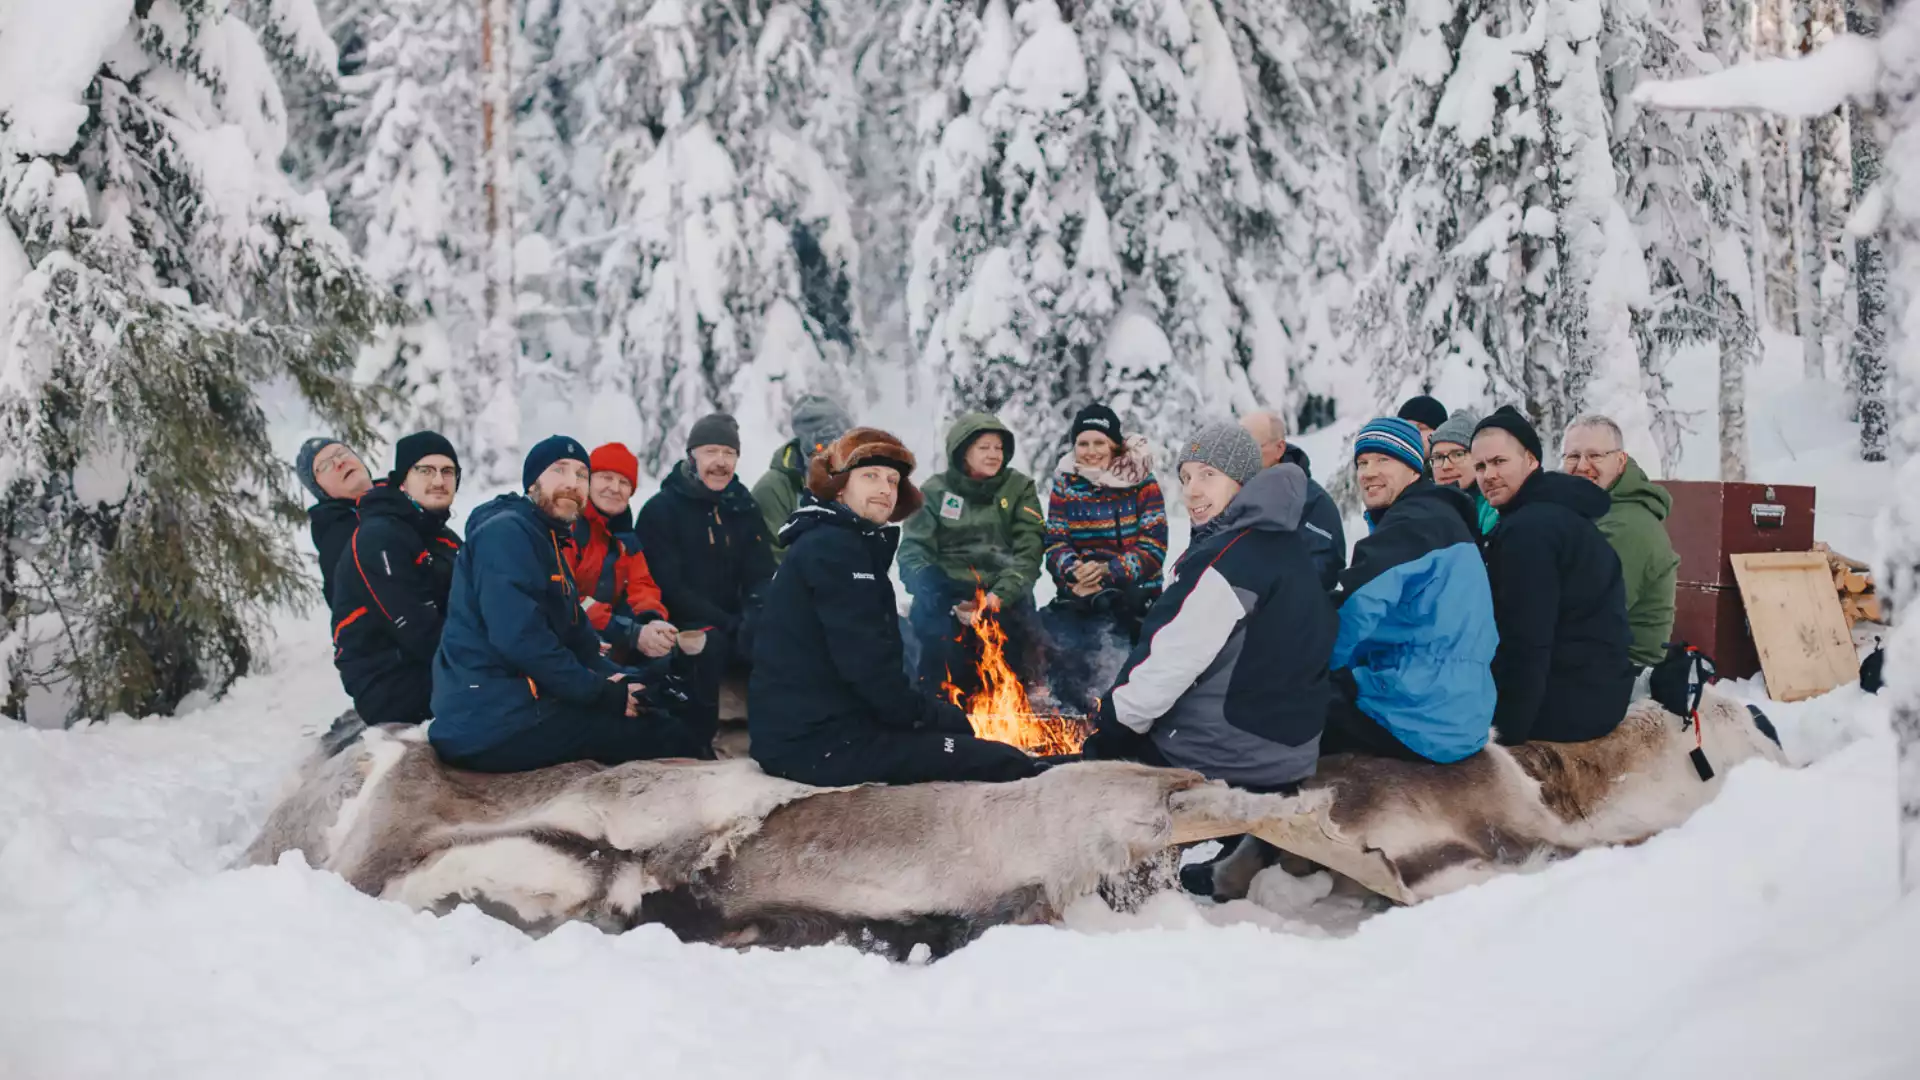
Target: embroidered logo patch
951,506
858,576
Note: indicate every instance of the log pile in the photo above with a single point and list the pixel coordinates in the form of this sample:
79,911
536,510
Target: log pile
1853,581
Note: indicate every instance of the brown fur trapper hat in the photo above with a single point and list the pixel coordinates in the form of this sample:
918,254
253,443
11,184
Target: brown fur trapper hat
827,473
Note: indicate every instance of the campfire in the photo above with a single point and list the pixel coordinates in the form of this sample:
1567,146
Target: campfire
1000,709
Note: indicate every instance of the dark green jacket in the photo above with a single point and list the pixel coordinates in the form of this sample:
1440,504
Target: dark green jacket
777,492
990,531
1636,530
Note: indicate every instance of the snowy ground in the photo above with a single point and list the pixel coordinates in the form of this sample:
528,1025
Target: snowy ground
1764,938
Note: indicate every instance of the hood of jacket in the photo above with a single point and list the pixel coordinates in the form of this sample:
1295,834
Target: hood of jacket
1273,501
1293,455
390,502
734,497
1581,496
1133,467
1635,489
968,427
789,460
812,514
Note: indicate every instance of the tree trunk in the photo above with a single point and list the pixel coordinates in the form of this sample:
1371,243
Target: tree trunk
1803,172
1736,355
497,338
1869,352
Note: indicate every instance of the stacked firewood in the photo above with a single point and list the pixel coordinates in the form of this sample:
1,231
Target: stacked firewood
1853,580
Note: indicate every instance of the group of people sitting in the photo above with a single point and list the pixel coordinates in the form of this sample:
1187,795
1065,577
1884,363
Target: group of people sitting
1490,597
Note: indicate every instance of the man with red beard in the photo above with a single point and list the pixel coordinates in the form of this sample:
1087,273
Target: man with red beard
519,682
617,590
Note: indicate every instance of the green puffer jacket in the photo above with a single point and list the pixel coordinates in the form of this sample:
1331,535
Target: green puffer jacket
1635,529
988,530
777,492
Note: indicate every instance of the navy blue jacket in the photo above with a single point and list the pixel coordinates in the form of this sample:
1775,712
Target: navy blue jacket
1230,678
708,550
1416,624
516,649
389,602
1562,670
1320,524
827,652
331,523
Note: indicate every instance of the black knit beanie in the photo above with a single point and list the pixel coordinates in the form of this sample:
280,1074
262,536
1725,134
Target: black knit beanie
1508,419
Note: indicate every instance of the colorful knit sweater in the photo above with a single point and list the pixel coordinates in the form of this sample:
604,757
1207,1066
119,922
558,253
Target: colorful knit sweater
1115,514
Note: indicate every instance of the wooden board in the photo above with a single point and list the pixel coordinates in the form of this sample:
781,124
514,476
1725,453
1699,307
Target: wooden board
1805,647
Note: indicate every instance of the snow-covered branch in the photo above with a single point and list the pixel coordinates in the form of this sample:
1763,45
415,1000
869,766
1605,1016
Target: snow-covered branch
1848,67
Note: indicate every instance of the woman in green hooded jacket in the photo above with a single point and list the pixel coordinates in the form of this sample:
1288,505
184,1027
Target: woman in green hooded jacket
981,530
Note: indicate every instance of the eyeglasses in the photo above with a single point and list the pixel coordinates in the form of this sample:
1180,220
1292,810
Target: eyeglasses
1593,458
450,474
335,463
1454,457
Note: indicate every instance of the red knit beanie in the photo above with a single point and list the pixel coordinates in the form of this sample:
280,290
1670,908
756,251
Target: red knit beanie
616,458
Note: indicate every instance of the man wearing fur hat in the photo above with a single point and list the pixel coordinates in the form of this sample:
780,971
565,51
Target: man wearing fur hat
390,589
817,422
617,589
519,682
336,478
1230,676
830,703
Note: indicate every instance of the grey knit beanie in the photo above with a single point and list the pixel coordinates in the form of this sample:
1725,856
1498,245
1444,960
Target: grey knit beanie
1226,446
714,429
303,465
817,422
1458,429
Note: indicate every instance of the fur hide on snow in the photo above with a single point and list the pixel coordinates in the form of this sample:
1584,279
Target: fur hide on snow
1412,831
719,851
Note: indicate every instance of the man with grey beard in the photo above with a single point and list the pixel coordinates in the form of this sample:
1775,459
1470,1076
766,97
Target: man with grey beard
519,682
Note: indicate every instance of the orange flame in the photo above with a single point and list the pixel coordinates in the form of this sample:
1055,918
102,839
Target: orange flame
1000,710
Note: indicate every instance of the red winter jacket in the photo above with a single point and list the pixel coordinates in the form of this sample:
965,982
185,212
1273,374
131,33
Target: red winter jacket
609,567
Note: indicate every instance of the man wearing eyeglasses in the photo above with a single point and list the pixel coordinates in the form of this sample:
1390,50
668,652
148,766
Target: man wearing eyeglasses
1594,450
392,583
1450,454
336,478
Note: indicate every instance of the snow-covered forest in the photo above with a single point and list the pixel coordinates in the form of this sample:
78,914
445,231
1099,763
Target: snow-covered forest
507,217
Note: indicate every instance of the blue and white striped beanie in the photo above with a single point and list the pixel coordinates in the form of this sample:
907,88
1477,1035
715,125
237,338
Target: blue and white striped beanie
1395,438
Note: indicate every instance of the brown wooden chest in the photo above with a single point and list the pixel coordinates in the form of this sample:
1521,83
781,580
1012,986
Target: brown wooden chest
1710,523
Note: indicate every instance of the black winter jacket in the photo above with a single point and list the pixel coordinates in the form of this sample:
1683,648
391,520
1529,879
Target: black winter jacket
1561,671
389,603
1320,526
708,550
517,650
827,664
331,523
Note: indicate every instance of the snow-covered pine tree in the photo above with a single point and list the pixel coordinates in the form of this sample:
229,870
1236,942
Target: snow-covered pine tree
1313,74
156,269
1509,270
413,201
1868,353
1686,194
727,280
1108,210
